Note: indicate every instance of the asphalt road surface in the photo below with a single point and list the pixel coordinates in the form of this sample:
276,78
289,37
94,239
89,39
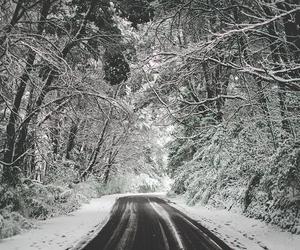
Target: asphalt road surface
150,223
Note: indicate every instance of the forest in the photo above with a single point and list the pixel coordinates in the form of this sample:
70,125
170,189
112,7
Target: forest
111,96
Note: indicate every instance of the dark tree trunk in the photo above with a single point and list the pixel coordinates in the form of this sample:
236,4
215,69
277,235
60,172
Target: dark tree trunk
9,171
261,95
254,181
55,138
292,28
17,15
95,153
52,76
111,158
10,129
71,139
108,167
280,53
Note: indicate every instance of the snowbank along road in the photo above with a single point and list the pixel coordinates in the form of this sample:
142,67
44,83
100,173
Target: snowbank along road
150,223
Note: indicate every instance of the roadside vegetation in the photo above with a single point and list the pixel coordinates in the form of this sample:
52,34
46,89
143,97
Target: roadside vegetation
228,74
68,125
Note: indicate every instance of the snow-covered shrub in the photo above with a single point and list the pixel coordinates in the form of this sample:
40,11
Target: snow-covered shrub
12,223
179,181
200,177
122,184
277,197
61,172
36,200
89,189
240,167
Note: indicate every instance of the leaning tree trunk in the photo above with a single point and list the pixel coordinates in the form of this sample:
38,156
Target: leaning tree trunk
52,76
96,152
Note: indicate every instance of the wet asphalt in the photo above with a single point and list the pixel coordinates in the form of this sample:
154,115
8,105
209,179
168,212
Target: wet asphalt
150,223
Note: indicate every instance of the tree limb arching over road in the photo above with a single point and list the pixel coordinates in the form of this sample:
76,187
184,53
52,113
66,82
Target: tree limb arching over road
150,223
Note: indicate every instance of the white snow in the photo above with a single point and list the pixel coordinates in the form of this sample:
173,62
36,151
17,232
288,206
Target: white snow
164,214
64,232
131,228
238,231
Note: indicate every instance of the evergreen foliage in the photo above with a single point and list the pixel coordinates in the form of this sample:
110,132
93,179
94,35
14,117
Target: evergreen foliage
115,67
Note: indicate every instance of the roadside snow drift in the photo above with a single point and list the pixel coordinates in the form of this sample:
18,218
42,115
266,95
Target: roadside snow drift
64,232
238,231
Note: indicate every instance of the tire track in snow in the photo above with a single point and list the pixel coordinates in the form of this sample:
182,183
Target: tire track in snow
130,231
165,216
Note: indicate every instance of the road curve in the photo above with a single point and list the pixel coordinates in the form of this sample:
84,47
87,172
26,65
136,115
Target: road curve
150,223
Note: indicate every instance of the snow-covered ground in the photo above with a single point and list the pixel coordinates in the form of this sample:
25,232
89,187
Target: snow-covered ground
69,232
239,231
64,232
